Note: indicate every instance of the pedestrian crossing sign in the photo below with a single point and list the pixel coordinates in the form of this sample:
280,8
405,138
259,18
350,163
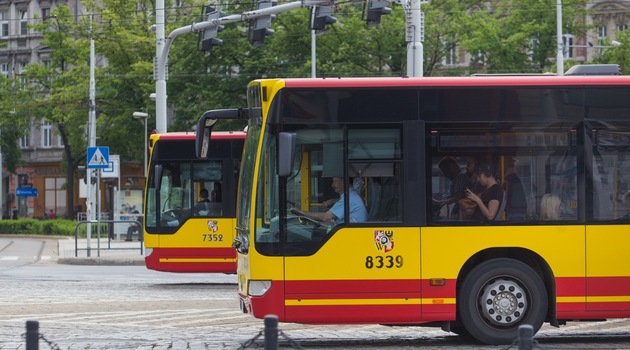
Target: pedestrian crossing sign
98,157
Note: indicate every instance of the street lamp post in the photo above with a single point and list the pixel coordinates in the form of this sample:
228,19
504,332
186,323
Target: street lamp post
144,116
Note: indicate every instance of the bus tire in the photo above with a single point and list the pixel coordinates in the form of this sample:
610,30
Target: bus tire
497,297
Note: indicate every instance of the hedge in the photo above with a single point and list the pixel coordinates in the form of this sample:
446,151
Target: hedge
55,227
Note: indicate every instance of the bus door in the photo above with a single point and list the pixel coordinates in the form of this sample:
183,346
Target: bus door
608,261
367,270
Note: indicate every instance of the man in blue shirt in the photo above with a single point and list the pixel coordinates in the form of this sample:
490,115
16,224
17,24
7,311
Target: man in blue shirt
358,212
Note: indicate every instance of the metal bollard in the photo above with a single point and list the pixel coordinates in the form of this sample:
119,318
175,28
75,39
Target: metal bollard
32,335
271,332
525,337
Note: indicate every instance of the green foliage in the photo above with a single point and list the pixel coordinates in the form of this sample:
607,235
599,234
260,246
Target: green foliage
515,36
56,227
619,54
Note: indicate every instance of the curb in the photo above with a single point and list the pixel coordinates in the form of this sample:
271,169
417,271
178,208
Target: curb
102,261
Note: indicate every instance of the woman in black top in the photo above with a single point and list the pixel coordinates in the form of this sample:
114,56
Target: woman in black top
489,200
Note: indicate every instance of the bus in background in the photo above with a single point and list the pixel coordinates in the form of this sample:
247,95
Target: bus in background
190,204
414,259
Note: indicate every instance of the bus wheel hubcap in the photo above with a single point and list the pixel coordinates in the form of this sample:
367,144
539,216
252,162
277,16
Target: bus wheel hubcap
503,302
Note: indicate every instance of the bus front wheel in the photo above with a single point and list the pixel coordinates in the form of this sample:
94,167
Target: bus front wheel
497,297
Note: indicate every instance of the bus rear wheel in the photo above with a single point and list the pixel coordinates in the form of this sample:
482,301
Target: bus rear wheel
497,297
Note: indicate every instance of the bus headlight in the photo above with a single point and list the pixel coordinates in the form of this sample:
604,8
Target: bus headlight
148,251
258,288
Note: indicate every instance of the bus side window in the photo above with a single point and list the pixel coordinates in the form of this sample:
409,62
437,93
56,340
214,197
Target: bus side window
611,174
390,200
216,194
373,198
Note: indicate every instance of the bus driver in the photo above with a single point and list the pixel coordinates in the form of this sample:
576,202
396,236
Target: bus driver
358,212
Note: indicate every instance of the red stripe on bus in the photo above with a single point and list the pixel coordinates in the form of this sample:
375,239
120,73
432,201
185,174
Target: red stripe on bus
382,314
609,286
153,261
570,286
216,135
520,81
434,309
353,286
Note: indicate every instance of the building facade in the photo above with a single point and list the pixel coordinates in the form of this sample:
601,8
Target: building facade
38,187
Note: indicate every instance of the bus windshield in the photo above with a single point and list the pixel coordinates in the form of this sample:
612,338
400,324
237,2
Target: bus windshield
373,157
246,184
173,188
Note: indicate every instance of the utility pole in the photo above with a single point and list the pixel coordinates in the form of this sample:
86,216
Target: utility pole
163,44
313,45
91,189
560,49
160,69
415,37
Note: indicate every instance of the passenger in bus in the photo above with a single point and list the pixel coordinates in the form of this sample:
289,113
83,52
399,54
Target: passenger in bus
626,204
459,179
550,207
203,205
335,215
516,201
471,167
488,201
216,192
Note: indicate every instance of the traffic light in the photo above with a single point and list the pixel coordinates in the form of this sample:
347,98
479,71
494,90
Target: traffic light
322,17
375,9
209,35
261,26
89,173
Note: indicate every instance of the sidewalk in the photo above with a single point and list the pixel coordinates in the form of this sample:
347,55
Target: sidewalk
103,252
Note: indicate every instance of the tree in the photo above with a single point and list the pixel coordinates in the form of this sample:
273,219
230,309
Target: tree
59,91
516,36
13,127
619,54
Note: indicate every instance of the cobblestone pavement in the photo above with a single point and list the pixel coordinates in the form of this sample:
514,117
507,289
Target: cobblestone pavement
110,302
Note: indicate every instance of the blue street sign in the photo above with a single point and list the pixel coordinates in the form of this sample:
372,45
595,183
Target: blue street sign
98,157
26,192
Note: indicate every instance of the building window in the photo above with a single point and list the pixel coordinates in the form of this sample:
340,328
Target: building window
567,41
621,27
46,134
21,70
601,35
450,55
4,24
4,69
55,195
23,22
25,141
45,14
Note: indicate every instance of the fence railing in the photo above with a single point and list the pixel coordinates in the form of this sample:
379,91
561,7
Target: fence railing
109,240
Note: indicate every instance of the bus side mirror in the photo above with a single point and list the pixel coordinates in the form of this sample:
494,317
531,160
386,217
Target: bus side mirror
206,123
286,153
157,183
202,138
157,177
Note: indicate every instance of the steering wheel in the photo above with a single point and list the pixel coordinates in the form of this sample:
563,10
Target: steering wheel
169,215
304,219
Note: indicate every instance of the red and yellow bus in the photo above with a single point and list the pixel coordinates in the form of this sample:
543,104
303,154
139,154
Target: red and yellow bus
414,259
182,235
